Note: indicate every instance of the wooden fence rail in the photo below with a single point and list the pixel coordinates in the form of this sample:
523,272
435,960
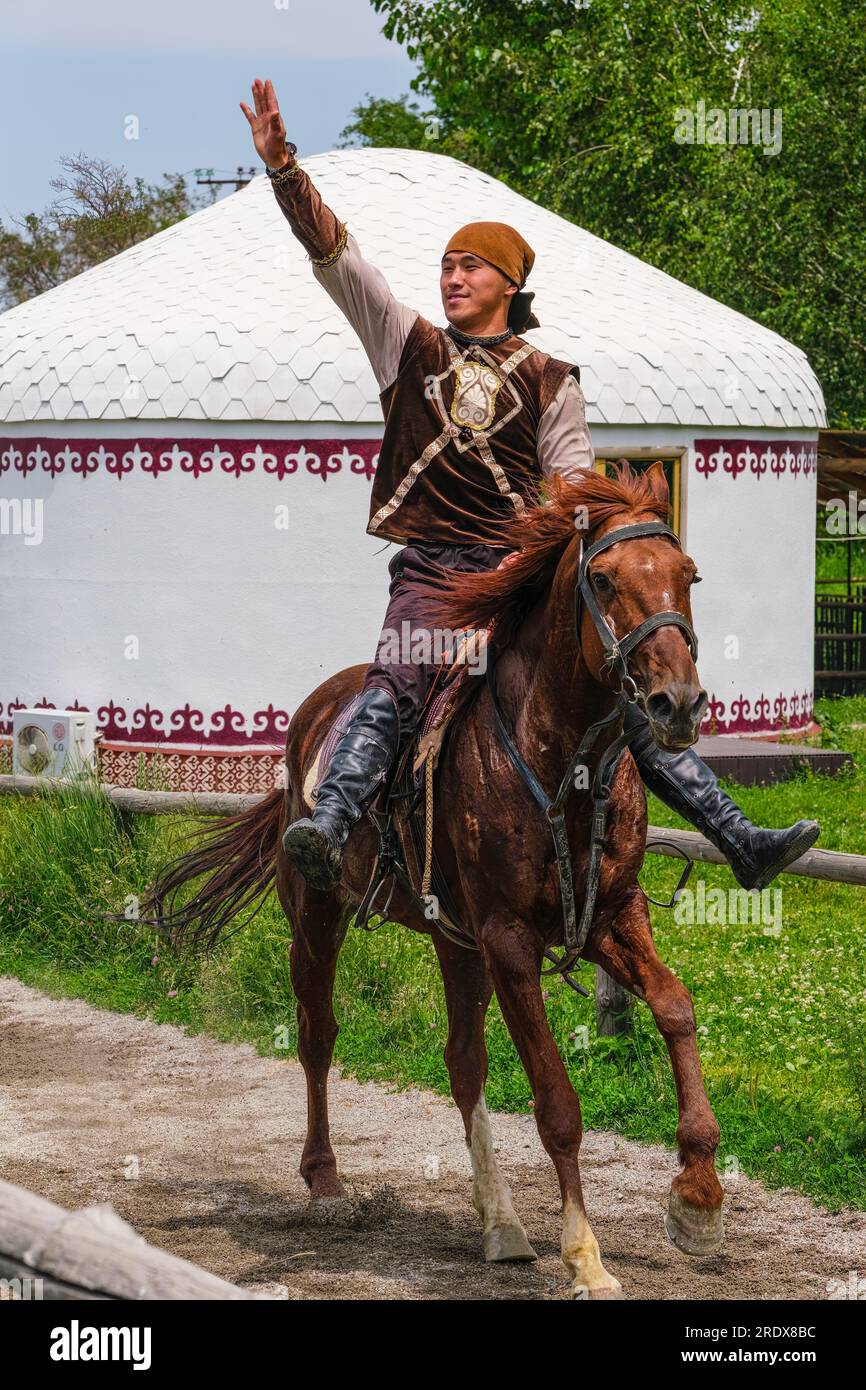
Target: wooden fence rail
613,1003
815,863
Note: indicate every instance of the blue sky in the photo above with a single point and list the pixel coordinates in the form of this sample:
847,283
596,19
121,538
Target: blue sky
74,70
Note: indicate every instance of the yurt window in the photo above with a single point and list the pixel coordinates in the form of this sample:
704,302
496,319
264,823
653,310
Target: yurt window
605,459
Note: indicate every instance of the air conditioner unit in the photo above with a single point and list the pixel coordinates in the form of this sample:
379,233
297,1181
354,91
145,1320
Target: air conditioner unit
52,742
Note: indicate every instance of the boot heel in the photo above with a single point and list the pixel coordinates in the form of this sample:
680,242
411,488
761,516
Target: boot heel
798,846
313,854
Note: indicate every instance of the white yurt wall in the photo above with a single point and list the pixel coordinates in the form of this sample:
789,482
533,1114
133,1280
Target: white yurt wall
200,426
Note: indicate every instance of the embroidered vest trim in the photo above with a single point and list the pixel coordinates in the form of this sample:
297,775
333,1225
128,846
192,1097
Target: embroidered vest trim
477,389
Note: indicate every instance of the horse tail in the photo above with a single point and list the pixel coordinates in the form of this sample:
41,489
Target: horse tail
238,854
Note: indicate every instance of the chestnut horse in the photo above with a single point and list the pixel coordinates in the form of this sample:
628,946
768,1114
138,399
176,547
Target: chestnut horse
495,848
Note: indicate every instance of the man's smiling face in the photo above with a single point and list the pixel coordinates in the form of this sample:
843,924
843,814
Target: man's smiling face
474,293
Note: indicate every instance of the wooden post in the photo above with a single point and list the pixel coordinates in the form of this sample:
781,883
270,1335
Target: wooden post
91,1254
613,1006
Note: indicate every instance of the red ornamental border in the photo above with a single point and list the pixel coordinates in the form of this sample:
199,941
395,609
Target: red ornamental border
182,770
255,770
224,728
323,458
229,728
119,458
744,716
758,458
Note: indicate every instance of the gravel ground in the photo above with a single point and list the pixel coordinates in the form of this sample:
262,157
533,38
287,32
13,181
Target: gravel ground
196,1143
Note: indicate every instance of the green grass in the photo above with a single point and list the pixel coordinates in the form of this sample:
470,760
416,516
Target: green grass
831,555
782,1018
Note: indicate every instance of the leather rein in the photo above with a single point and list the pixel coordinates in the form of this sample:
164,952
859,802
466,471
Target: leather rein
617,651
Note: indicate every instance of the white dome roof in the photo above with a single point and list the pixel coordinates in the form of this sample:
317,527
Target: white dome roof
219,317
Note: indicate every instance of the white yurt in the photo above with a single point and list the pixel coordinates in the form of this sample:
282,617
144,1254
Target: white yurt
187,437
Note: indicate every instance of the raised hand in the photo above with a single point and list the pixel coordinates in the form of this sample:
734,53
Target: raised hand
266,124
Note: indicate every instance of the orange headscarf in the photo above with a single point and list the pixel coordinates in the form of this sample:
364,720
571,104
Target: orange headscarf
504,248
497,243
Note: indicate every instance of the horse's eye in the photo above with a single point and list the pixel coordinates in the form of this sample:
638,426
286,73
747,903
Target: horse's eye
601,583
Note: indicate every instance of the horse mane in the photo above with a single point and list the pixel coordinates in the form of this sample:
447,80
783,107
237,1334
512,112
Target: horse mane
501,598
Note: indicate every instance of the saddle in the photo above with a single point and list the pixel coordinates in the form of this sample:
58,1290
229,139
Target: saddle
402,813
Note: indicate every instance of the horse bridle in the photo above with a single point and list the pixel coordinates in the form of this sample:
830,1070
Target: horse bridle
617,651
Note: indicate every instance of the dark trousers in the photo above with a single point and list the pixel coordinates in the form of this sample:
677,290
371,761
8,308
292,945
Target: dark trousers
406,646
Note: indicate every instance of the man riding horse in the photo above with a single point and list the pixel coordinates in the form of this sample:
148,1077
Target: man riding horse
475,419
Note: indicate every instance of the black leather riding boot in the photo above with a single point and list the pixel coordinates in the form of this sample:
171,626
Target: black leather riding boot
359,765
685,783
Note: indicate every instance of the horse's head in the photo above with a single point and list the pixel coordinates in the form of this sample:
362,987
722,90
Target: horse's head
631,581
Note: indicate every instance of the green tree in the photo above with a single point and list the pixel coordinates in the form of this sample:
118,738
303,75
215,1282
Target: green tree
576,106
98,214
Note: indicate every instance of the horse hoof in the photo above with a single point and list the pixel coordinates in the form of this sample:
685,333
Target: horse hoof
613,1290
325,1186
507,1243
694,1230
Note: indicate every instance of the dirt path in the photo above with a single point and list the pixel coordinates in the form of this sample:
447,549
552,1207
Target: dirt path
216,1134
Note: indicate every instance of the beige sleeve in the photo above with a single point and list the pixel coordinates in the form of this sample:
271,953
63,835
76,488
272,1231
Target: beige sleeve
356,287
564,444
362,293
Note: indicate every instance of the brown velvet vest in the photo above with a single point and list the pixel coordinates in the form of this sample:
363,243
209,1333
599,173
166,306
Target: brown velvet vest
459,454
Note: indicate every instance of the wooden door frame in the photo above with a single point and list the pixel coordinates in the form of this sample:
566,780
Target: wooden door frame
673,453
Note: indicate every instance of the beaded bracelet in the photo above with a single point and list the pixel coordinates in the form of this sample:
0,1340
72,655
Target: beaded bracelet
337,251
292,171
281,176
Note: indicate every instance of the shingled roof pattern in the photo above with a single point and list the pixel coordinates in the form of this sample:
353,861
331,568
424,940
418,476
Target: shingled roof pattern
219,318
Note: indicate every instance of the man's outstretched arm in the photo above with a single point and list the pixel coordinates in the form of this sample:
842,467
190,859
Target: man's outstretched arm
357,288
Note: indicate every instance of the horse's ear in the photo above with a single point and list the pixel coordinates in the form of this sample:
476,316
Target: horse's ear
655,476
